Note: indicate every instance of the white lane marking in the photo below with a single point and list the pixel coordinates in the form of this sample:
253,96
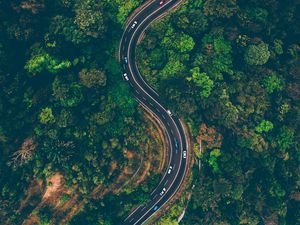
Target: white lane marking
168,124
128,52
144,98
143,208
128,22
144,7
169,142
157,110
144,80
166,182
163,116
132,213
137,91
172,132
172,121
151,103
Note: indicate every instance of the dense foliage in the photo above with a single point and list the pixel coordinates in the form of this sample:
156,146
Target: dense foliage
63,104
230,68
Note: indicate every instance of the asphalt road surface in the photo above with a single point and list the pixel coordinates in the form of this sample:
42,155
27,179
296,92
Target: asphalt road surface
145,95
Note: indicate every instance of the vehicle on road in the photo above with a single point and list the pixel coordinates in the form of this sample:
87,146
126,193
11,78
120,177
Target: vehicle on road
170,169
162,2
134,24
163,191
184,154
169,112
176,144
125,77
175,172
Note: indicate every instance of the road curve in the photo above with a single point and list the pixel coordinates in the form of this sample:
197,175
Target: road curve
145,95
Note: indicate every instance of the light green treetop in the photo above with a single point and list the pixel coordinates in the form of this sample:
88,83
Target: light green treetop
257,54
46,116
201,80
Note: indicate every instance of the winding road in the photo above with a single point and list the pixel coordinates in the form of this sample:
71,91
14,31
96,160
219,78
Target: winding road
145,95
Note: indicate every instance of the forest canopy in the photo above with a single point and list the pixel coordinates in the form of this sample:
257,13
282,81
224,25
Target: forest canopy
228,68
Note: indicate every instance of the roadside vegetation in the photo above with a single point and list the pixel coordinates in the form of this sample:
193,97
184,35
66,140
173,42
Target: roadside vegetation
231,70
72,136
69,127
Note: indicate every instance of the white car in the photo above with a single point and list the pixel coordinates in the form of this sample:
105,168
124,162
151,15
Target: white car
134,24
170,169
184,154
125,60
125,77
163,191
169,112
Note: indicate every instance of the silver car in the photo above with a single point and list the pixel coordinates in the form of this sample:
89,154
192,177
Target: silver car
134,24
170,169
184,154
125,77
163,191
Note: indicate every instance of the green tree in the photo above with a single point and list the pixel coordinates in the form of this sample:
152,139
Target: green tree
257,54
121,97
220,8
64,119
212,161
285,138
216,57
102,118
180,42
264,126
201,80
68,95
89,17
278,46
44,62
193,23
124,8
173,68
65,27
185,43
172,216
276,190
272,83
46,116
92,78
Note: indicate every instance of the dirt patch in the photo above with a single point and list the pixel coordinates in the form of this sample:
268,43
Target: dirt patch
54,183
56,197
113,166
144,174
152,158
129,154
34,191
33,220
65,203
